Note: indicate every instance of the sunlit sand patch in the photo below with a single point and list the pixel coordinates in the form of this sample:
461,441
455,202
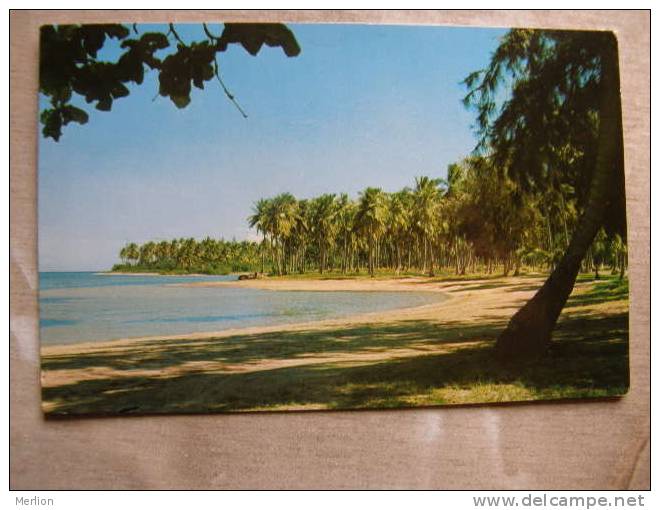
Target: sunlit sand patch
117,371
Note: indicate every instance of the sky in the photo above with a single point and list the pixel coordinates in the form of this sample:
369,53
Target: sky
360,106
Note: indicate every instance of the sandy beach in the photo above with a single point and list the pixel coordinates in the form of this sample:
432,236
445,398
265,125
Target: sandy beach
205,371
129,273
463,302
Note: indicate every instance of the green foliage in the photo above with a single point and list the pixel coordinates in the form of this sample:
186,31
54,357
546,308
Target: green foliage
253,36
608,289
538,112
69,64
478,223
372,212
478,218
185,256
516,205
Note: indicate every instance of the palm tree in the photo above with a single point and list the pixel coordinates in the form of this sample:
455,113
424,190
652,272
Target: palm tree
282,214
132,253
370,220
187,253
147,254
123,254
259,220
427,200
398,223
345,220
300,235
619,254
162,254
324,212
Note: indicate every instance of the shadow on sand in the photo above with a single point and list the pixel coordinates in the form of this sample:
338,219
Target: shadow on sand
588,359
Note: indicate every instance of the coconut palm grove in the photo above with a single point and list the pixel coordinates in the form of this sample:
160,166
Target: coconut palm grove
525,236
474,223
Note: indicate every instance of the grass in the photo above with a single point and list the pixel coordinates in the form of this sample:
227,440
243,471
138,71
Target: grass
401,364
607,289
444,275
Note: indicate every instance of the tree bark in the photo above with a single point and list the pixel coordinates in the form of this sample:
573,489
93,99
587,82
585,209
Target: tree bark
529,331
263,255
398,257
425,253
371,256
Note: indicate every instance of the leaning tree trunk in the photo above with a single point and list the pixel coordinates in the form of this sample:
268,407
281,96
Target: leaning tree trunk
529,331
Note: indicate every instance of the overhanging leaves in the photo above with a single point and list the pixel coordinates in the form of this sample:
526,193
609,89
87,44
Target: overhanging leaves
69,64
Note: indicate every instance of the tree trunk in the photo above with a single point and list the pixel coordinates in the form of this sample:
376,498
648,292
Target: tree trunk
263,255
371,257
398,257
344,256
425,254
431,261
529,331
371,253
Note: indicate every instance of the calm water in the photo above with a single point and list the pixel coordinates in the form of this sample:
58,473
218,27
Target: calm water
77,307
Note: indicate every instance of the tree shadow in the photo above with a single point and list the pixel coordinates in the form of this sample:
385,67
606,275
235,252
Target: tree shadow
367,338
589,358
605,291
502,284
482,286
524,288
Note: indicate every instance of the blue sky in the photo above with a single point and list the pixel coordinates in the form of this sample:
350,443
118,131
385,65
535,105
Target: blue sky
360,106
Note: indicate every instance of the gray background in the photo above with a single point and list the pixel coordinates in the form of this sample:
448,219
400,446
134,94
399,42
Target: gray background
586,445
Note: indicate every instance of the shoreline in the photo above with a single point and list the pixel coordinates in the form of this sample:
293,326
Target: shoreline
395,284
128,273
464,301
415,356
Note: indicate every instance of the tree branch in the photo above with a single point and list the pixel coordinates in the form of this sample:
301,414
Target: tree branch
227,93
208,33
176,36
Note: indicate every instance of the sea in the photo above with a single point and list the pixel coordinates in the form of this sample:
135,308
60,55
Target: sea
80,307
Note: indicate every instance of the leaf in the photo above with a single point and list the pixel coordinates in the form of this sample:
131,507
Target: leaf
116,31
69,66
180,101
119,90
52,121
105,104
93,38
156,40
252,36
71,113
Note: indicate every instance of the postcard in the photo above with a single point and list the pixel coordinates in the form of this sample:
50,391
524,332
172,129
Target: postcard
266,217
